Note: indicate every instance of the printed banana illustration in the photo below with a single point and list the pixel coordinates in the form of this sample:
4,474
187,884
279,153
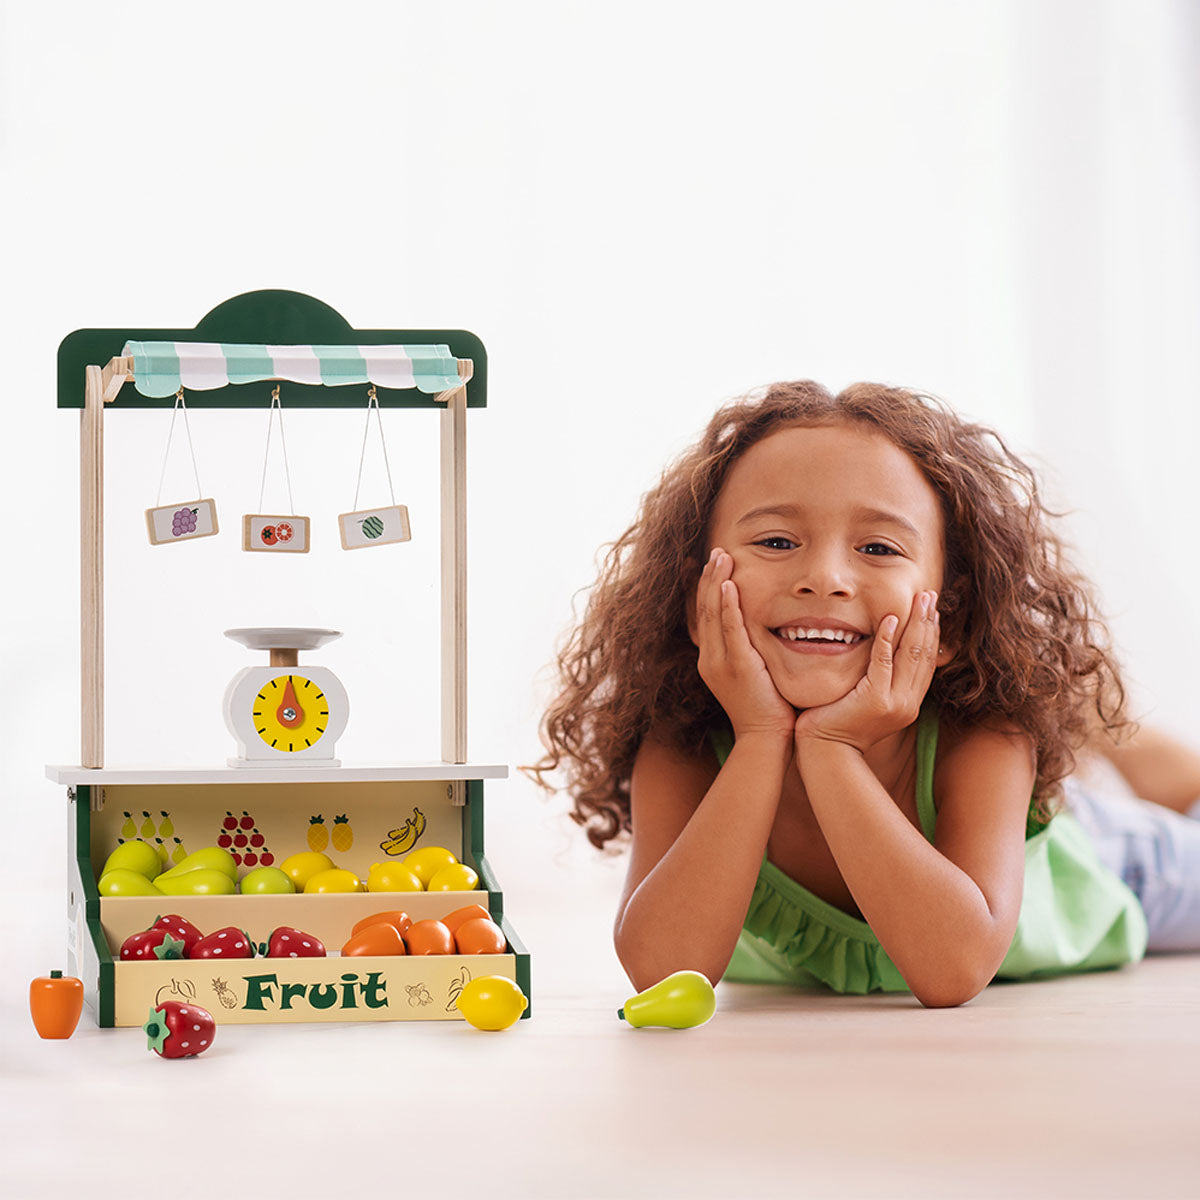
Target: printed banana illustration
402,840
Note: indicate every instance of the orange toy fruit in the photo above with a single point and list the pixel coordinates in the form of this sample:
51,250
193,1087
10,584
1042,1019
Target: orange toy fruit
378,938
55,1003
468,912
401,920
429,937
480,936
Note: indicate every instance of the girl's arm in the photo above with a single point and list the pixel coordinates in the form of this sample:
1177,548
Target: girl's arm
944,913
699,836
699,833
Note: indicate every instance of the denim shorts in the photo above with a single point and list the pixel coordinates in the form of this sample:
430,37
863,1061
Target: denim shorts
1155,850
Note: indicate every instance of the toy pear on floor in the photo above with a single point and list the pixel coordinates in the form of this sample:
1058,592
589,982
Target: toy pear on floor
681,1001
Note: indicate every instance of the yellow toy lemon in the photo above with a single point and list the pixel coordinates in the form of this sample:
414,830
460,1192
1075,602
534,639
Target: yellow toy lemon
491,1002
457,877
428,861
300,868
392,877
335,880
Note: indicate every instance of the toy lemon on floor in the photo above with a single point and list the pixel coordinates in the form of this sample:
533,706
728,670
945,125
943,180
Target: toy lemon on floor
491,1002
681,1001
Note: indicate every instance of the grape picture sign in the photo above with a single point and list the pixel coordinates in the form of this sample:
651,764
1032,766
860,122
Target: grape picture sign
181,522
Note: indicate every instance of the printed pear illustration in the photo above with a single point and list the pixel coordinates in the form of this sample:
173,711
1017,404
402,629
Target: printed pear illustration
680,1001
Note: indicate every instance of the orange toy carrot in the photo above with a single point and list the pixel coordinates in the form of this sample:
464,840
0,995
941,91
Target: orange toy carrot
55,1003
401,920
377,938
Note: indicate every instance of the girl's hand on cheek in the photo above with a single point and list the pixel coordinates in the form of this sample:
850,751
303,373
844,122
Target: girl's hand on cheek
888,697
733,670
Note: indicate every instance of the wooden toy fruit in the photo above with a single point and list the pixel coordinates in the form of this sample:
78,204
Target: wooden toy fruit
467,913
152,945
179,928
300,868
266,881
134,856
457,877
178,1030
230,942
491,1002
429,937
426,862
212,858
335,880
479,936
123,882
393,877
378,938
680,1001
204,881
287,942
55,1002
400,919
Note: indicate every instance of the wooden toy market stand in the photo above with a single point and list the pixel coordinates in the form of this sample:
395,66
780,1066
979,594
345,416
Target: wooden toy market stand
270,809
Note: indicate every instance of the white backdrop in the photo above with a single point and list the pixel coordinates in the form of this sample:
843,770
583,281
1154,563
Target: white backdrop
642,209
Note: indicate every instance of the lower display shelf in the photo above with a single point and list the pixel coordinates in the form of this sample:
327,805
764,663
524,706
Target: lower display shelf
278,990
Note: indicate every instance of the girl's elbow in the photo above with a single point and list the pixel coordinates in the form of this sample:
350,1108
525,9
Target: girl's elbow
954,987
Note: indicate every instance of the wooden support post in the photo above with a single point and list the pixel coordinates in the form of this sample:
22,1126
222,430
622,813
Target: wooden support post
91,525
454,573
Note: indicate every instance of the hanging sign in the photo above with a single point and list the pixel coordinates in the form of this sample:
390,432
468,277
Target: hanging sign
374,526
287,533
181,521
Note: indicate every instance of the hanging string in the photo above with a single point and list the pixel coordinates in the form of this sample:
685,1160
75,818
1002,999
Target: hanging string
179,405
276,403
373,400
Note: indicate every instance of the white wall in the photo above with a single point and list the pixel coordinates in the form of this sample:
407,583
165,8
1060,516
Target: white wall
642,209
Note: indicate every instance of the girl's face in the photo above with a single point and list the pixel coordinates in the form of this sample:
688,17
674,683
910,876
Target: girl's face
831,528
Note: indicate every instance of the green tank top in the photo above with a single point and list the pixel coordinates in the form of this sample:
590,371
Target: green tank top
1076,914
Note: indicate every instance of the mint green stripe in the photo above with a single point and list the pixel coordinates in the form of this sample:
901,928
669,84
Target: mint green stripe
341,364
247,364
155,368
435,369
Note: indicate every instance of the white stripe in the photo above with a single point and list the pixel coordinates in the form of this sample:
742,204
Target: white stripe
201,365
388,366
297,363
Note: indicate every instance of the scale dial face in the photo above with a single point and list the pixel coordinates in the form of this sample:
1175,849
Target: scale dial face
290,713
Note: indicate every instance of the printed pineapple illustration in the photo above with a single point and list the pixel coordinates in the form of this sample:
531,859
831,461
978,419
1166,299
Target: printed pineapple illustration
318,835
343,835
226,997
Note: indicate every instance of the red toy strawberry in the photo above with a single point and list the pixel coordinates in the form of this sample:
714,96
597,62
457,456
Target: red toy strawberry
177,927
229,942
175,1030
151,945
287,942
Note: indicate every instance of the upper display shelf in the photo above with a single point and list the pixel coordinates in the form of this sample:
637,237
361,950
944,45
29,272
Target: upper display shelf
277,335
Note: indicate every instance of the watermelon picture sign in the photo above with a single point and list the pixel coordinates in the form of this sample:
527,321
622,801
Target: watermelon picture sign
374,527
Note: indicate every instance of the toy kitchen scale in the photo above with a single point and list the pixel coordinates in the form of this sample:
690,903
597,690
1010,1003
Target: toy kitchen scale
284,792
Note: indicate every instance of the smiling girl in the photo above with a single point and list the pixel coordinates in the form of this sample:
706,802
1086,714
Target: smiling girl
831,681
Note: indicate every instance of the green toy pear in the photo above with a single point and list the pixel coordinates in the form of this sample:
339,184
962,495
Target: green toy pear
681,1001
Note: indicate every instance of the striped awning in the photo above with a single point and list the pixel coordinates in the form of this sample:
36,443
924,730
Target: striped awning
162,368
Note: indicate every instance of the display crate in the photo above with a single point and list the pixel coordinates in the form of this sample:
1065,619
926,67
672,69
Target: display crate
276,818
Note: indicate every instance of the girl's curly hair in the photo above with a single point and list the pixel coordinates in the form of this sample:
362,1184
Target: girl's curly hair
1031,650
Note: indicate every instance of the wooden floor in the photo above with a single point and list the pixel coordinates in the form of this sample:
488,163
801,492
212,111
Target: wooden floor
1087,1086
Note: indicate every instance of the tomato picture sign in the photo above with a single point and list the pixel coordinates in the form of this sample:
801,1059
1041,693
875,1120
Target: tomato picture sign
288,534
